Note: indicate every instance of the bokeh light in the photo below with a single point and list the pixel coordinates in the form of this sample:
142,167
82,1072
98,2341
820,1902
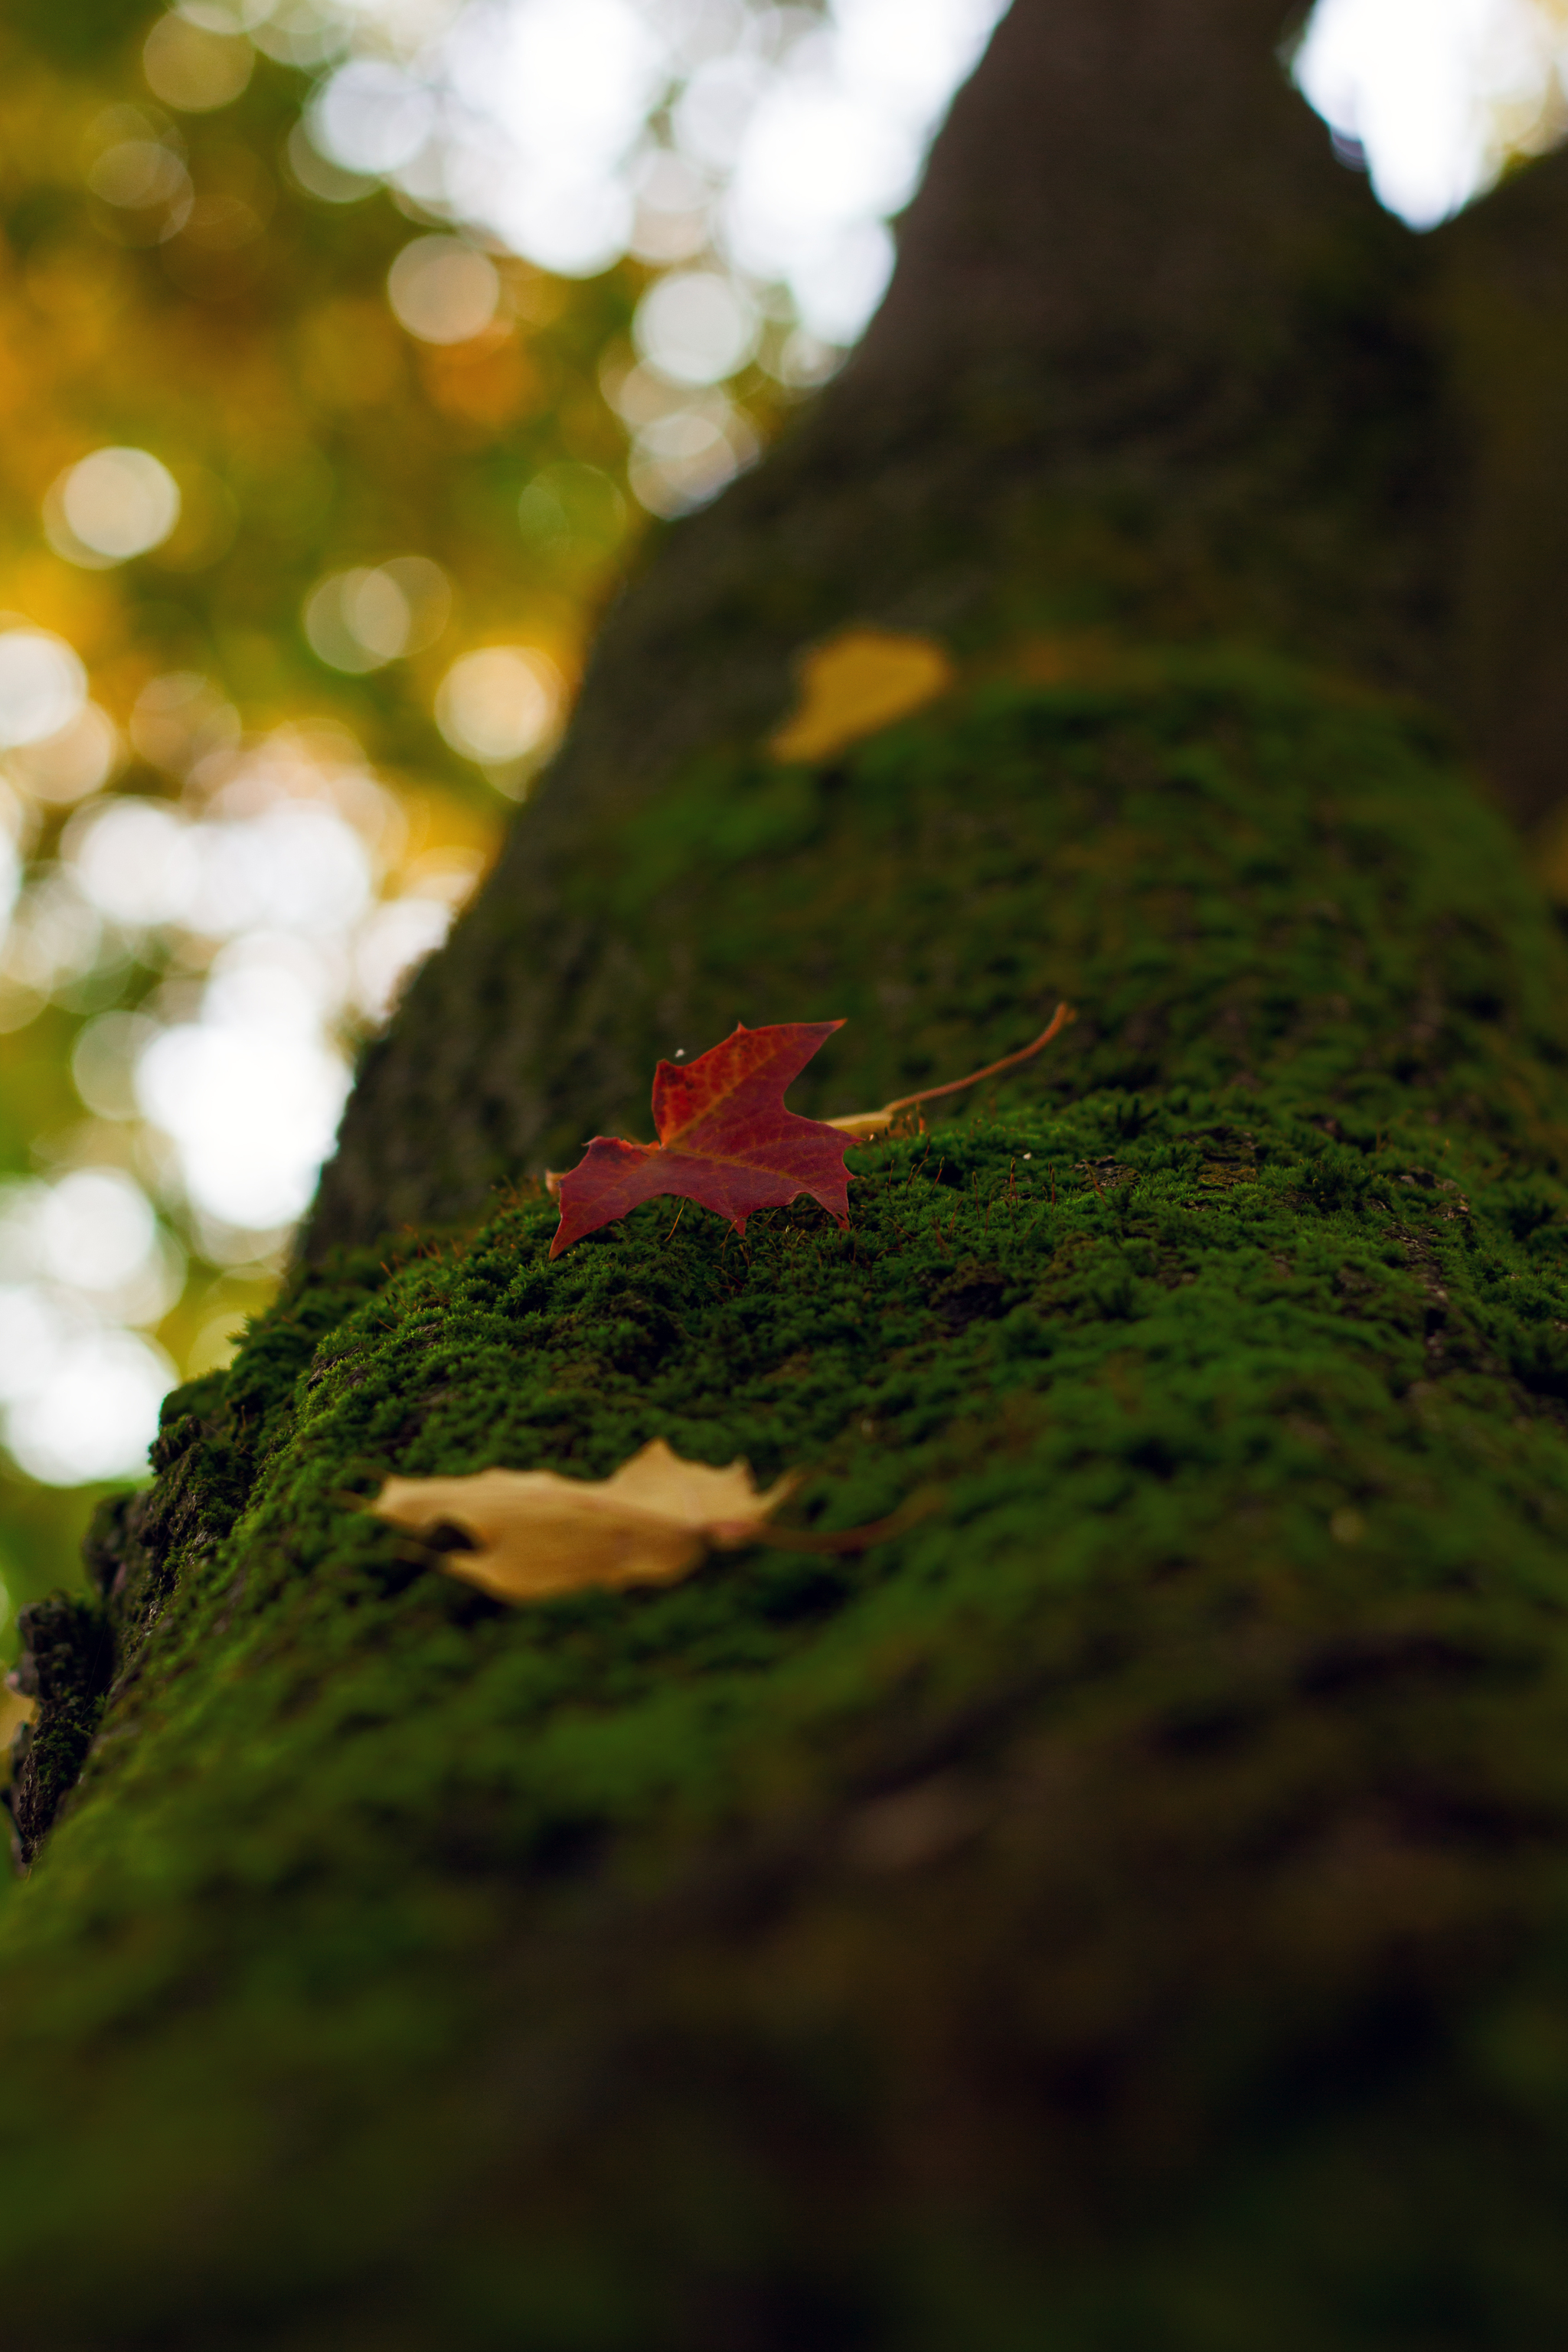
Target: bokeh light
111,506
81,1260
442,290
501,704
1433,96
682,456
147,183
43,686
90,1410
251,1099
360,620
180,719
104,1059
221,1091
192,64
792,136
372,118
78,759
696,326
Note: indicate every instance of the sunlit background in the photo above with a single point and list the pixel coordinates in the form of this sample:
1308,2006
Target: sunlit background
346,346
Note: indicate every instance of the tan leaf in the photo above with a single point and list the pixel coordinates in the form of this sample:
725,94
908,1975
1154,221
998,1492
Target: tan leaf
536,1533
857,682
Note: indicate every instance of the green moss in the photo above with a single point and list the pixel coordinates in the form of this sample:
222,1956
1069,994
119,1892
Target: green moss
1239,873
1125,1908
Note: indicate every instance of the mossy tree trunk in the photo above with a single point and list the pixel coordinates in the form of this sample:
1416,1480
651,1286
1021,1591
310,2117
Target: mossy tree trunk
1127,1906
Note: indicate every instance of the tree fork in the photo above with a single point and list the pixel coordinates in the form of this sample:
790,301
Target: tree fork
1124,1905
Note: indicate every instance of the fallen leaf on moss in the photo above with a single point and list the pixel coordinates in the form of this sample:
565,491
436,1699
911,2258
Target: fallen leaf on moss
535,1533
856,683
725,1140
862,1124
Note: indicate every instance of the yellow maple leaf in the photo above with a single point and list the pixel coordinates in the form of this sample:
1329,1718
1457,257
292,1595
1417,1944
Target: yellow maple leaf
536,1533
857,682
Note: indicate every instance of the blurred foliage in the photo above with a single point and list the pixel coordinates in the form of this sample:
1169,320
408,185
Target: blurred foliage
252,349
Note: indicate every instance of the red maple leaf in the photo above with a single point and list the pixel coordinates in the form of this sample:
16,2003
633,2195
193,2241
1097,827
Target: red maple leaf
725,1140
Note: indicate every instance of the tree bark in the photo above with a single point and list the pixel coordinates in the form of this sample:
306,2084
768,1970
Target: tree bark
1125,1905
1154,367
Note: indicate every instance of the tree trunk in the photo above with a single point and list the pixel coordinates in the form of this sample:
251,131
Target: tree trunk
1125,1907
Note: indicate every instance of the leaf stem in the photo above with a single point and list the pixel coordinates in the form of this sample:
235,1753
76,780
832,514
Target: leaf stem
867,1123
849,1539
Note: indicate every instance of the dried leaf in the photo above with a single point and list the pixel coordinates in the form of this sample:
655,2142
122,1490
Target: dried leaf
536,1533
857,682
725,1140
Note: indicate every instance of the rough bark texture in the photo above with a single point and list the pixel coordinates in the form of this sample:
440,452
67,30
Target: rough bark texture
1126,1908
1154,367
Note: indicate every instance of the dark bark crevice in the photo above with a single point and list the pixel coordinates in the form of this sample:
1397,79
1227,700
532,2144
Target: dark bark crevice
65,1667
